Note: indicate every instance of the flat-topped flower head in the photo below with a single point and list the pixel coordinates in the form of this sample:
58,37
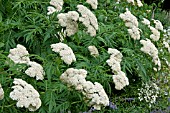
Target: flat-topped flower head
69,20
93,51
25,95
94,93
146,21
155,34
35,70
65,52
158,25
88,19
58,4
93,3
19,54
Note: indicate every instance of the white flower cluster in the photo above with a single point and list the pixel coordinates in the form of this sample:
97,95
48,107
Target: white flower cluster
158,25
139,3
149,92
131,1
88,19
93,3
119,78
93,92
1,93
150,49
156,34
132,23
146,22
69,20
20,55
26,95
93,51
166,39
36,70
65,52
58,4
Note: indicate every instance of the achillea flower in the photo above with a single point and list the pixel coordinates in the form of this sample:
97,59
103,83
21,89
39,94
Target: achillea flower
19,54
94,93
150,49
139,3
131,1
134,33
88,19
129,17
26,95
51,10
156,34
93,3
120,80
36,70
158,25
58,4
69,20
146,21
93,51
65,52
115,59
1,93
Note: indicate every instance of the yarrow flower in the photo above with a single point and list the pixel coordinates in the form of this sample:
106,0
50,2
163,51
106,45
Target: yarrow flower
51,10
1,93
131,1
65,52
58,4
93,3
69,20
132,23
150,49
26,95
158,25
19,54
119,78
149,92
156,34
146,21
36,70
93,51
139,3
88,19
94,93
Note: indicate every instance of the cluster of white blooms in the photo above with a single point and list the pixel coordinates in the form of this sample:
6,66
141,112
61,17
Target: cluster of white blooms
158,25
19,54
65,52
150,49
166,39
156,34
93,51
58,4
69,20
149,92
132,23
1,93
139,3
119,78
36,70
93,92
93,3
26,95
131,1
146,22
88,19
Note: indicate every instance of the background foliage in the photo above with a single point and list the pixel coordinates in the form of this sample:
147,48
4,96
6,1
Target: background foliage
26,22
